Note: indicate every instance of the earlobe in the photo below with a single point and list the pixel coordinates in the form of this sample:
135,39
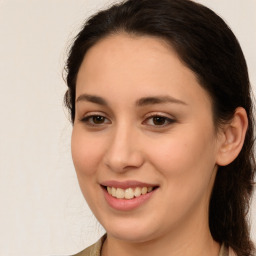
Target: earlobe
233,135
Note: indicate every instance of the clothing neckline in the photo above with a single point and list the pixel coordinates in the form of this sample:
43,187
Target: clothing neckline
96,249
223,249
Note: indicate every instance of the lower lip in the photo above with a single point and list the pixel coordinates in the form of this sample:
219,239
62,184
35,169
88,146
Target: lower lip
127,204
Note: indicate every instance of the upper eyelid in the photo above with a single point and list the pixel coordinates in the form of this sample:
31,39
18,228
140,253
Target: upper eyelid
148,115
94,113
165,115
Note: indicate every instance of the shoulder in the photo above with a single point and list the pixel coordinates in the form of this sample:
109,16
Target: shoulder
93,250
89,251
226,251
231,252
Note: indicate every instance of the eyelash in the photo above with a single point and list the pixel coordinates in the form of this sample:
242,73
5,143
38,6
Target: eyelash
88,120
167,120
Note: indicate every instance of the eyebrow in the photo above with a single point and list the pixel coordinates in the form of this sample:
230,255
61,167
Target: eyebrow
92,98
145,101
158,100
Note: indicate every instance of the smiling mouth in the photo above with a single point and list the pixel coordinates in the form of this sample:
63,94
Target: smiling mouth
128,193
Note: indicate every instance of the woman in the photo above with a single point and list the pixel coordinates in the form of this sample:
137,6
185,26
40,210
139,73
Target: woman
159,97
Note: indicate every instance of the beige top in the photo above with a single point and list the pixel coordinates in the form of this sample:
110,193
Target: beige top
95,249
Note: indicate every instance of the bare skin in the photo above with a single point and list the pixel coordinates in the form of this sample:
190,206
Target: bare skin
121,134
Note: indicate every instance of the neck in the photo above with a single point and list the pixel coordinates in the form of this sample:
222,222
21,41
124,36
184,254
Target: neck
113,247
194,241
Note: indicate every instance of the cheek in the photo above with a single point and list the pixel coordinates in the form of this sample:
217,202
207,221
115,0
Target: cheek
187,165
86,151
186,158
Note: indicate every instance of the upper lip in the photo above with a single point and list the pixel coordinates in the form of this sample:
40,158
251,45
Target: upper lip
126,184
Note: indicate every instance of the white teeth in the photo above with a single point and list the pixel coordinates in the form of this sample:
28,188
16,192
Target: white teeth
144,190
119,193
113,192
128,193
137,192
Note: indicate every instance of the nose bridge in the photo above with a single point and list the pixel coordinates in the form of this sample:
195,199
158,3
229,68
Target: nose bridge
123,151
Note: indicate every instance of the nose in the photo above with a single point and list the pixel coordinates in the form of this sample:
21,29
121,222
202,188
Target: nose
124,152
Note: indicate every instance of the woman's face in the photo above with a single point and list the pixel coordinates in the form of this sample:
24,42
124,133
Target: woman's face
143,122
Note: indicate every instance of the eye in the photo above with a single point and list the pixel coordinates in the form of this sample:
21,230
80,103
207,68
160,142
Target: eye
95,120
158,121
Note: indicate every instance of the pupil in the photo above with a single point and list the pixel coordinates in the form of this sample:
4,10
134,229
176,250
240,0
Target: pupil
158,120
98,119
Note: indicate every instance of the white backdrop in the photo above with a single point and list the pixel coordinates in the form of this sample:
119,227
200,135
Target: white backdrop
42,210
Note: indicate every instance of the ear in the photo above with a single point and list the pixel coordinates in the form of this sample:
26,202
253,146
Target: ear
232,138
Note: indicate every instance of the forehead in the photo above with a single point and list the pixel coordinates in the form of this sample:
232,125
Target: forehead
122,50
135,65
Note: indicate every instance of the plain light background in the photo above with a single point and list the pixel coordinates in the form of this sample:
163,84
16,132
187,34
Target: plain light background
42,211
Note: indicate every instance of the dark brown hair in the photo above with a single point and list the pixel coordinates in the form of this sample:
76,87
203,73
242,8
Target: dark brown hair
208,47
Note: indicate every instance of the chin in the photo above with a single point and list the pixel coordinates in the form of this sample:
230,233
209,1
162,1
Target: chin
131,232
133,237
